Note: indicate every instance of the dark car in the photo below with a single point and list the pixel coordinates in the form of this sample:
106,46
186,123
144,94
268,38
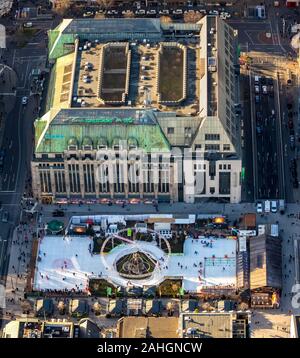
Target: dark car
292,142
295,184
2,155
259,129
258,116
293,163
58,213
5,216
263,80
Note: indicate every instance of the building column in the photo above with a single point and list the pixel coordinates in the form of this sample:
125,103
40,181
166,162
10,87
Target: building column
126,180
81,178
111,179
94,164
67,178
52,179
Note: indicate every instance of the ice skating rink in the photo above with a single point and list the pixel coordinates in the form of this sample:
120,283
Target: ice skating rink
67,263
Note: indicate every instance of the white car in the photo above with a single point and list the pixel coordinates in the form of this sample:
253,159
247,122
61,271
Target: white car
28,24
274,206
24,100
267,206
225,15
177,12
264,89
164,12
259,208
88,14
151,12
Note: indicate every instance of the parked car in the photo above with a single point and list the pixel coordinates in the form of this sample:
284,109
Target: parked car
177,12
58,213
264,89
5,216
258,116
281,206
257,99
256,89
151,12
256,79
28,24
295,184
2,155
259,207
267,206
88,14
140,12
24,100
164,12
259,129
274,206
292,142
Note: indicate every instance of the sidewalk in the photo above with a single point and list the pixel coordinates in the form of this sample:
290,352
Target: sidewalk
16,281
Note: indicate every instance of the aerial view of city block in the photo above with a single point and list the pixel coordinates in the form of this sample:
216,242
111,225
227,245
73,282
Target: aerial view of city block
149,162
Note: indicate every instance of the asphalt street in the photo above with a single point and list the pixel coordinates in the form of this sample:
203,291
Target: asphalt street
17,143
266,159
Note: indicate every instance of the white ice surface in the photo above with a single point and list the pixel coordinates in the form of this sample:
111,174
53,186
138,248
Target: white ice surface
61,252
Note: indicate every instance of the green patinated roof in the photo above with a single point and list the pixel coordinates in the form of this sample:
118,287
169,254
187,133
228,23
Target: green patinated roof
87,141
132,142
55,226
59,134
60,44
71,141
116,141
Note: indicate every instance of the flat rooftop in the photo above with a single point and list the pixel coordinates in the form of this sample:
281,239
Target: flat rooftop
140,75
147,327
208,325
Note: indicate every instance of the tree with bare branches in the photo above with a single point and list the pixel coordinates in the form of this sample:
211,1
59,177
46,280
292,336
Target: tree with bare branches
105,4
166,19
192,16
62,6
128,14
